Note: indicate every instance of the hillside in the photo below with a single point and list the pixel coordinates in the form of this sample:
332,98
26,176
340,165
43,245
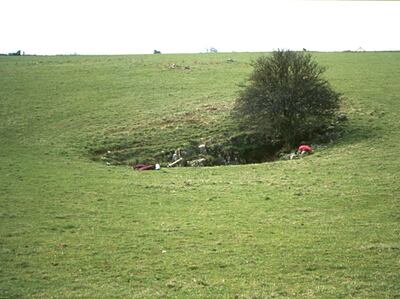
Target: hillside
324,226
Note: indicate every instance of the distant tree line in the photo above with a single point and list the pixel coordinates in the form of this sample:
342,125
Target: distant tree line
18,53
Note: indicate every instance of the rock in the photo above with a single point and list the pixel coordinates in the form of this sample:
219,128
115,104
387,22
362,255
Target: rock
342,116
197,163
203,148
177,155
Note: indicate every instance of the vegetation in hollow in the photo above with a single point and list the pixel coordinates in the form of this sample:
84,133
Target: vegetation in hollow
287,99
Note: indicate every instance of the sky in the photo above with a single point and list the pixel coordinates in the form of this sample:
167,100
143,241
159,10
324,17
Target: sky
49,27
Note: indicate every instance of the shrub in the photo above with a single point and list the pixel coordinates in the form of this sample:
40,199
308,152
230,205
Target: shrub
287,99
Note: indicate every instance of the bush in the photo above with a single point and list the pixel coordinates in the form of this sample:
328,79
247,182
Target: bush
286,98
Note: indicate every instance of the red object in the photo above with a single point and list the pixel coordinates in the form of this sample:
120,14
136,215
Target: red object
144,167
305,148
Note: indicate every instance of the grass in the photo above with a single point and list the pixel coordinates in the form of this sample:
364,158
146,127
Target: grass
323,226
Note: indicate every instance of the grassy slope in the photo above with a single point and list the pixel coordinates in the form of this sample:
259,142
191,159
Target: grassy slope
324,226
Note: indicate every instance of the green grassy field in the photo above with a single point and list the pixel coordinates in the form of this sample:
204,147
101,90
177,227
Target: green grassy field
326,226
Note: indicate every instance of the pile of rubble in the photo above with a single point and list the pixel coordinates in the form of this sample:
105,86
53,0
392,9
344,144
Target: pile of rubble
201,155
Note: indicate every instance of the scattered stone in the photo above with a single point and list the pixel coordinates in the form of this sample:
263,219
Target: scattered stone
197,163
342,116
177,155
203,148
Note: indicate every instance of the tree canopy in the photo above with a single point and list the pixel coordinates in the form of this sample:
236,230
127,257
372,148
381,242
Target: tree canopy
287,98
